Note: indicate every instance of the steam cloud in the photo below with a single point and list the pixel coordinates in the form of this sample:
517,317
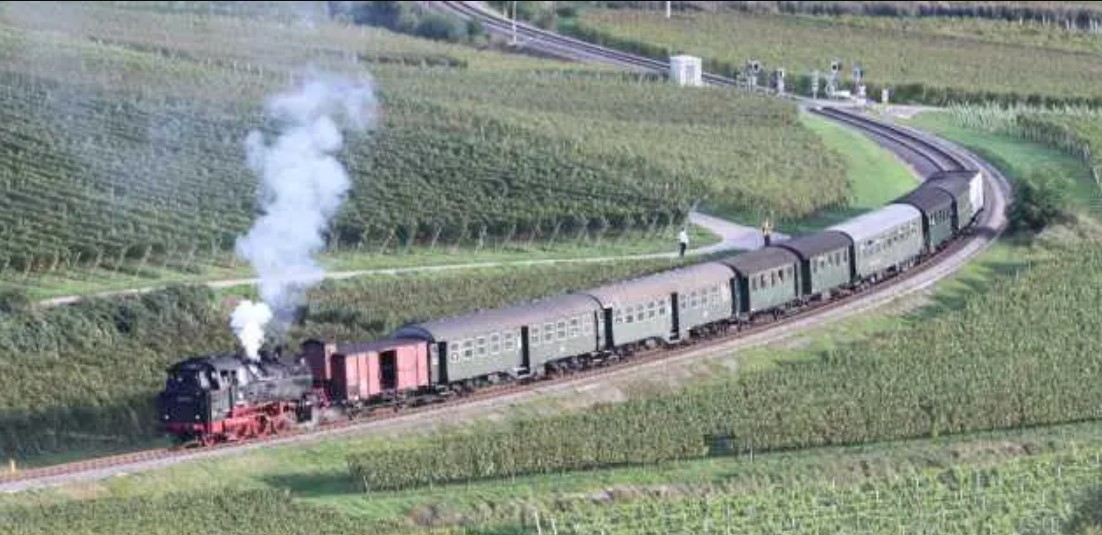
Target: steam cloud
248,323
301,189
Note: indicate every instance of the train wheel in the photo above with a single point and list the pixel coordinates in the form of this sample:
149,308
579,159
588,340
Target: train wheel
207,440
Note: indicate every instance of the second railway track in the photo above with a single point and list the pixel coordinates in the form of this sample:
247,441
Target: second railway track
940,154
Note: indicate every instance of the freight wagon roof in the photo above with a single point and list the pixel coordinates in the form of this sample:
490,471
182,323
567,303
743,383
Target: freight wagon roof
821,242
499,318
766,258
956,186
963,174
374,347
927,198
678,280
876,222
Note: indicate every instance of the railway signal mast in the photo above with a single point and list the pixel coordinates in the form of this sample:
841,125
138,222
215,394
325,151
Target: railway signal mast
815,84
778,77
753,68
832,80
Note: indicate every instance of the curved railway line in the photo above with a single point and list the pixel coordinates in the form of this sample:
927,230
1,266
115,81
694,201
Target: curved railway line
935,153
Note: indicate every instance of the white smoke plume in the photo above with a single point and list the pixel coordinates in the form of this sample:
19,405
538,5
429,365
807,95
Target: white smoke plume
248,323
302,184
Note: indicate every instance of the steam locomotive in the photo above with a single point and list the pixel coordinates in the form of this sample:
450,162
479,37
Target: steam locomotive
231,397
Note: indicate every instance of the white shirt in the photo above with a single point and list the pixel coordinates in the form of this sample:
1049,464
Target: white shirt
683,237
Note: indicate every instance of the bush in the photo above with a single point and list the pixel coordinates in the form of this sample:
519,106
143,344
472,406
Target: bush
14,301
1041,200
442,28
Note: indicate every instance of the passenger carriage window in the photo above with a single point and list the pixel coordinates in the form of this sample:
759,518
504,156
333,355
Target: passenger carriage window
453,353
772,279
574,327
629,316
780,275
468,350
639,312
651,312
534,336
495,344
561,329
481,345
587,325
754,283
548,332
507,341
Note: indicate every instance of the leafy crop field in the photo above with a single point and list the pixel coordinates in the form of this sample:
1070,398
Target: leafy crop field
84,376
916,62
1049,494
127,124
983,365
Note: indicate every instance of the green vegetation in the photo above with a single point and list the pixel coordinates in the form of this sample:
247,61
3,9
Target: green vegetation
126,137
411,18
985,365
259,512
874,175
85,376
1032,495
1056,15
920,65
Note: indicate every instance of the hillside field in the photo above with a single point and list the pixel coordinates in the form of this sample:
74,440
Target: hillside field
126,128
925,60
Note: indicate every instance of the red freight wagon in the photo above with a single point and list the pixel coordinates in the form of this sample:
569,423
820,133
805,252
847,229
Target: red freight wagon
356,374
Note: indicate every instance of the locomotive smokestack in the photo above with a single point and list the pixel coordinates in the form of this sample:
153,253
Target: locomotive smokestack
302,185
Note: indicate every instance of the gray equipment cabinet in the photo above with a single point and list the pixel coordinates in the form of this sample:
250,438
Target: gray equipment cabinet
664,306
768,279
884,240
824,262
504,340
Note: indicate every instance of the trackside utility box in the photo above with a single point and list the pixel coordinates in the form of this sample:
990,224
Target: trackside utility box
686,71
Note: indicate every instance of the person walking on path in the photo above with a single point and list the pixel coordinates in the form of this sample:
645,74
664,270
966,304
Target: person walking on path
683,241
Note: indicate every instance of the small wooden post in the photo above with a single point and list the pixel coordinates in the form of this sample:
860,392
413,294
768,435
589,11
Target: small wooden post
11,466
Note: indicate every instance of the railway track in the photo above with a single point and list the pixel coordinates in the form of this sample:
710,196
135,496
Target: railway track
939,154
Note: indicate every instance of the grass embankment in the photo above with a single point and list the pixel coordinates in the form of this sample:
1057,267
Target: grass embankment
1008,480
84,377
918,63
914,480
126,160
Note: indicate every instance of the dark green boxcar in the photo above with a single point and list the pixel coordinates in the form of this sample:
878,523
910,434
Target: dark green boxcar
966,188
664,306
768,279
936,207
824,261
504,340
884,239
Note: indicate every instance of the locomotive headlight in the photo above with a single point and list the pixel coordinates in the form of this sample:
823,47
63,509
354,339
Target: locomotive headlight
196,416
166,417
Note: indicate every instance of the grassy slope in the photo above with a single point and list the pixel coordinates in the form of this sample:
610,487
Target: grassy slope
801,43
456,132
83,378
318,473
84,281
874,177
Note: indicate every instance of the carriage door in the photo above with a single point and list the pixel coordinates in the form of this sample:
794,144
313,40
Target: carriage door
388,370
610,342
675,316
525,356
